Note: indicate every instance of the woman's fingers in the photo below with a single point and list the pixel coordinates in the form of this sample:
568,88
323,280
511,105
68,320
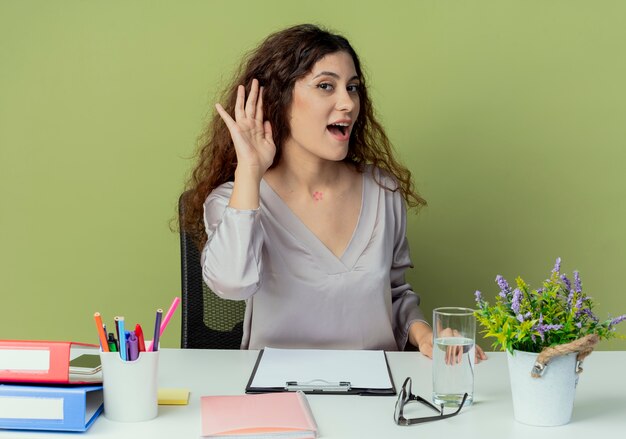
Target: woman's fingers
251,135
244,109
252,107
240,113
454,354
259,107
426,348
230,123
251,102
267,131
480,354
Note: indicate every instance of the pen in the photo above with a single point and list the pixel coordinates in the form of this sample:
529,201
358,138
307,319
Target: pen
133,348
140,340
117,330
112,342
157,331
127,335
120,323
101,334
168,315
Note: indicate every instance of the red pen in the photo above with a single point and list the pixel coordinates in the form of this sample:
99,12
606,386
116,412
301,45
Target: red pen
140,339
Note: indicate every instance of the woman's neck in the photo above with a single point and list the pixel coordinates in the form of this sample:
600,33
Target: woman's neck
307,176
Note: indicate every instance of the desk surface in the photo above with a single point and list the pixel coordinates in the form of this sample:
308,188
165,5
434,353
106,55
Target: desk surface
599,409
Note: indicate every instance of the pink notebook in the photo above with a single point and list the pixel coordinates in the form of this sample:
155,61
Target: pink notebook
285,415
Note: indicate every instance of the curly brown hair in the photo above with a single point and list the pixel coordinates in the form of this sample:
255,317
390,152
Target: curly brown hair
277,63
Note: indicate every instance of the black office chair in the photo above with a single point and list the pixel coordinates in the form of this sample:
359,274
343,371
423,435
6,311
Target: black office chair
208,321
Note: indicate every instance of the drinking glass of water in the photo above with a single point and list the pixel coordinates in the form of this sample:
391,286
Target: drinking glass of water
454,339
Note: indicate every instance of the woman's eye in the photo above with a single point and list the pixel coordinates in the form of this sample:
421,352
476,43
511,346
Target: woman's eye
353,88
325,86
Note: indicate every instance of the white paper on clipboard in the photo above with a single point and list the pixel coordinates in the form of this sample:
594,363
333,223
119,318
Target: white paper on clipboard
362,369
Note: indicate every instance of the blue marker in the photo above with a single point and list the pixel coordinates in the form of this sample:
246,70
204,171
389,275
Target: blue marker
120,322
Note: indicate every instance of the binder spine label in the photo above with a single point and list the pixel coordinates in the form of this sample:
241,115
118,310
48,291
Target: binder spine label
21,407
25,360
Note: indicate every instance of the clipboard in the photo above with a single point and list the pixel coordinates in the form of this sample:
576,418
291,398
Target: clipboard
320,371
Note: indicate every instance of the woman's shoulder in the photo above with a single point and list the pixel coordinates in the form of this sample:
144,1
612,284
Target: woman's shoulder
383,178
220,195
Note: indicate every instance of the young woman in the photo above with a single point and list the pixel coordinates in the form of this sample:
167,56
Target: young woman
299,204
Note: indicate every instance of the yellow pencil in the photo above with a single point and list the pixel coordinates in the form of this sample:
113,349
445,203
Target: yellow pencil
101,334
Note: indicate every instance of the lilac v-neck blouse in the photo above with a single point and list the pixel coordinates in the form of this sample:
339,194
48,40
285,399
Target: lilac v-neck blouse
298,293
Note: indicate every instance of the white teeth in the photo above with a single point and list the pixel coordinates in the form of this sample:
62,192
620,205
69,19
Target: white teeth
340,124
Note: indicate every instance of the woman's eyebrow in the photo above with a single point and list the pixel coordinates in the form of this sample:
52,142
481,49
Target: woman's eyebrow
334,75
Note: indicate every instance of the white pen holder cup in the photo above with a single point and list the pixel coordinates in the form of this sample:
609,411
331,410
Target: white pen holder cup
130,387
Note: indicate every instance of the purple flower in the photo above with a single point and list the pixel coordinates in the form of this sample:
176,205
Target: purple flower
504,286
479,299
557,266
588,313
479,296
520,318
617,320
579,303
579,325
578,285
570,299
515,303
568,284
542,329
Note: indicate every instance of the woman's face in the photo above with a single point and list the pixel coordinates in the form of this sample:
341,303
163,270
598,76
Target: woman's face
324,108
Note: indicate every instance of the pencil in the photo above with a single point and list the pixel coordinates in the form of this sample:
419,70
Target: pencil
157,331
166,319
103,338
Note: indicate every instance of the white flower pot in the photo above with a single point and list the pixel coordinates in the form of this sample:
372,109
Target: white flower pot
547,400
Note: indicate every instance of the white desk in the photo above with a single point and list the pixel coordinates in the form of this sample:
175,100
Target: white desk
599,410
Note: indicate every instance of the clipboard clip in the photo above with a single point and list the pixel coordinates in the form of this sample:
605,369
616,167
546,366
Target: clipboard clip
318,386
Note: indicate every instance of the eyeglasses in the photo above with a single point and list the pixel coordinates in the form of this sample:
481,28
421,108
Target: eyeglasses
405,396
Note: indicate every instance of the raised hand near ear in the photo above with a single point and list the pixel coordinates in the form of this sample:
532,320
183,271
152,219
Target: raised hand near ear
252,136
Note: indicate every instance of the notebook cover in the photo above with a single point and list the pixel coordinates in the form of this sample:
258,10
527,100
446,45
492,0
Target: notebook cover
256,414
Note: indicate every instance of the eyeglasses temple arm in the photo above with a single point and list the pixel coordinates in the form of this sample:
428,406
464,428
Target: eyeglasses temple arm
435,418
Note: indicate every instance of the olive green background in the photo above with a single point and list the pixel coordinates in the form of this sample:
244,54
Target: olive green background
510,114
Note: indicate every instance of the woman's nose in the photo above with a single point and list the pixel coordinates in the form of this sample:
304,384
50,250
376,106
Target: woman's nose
345,101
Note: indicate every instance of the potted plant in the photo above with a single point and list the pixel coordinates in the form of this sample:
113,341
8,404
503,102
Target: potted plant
546,333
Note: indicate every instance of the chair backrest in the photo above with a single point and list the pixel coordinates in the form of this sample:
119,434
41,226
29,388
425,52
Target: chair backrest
208,321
